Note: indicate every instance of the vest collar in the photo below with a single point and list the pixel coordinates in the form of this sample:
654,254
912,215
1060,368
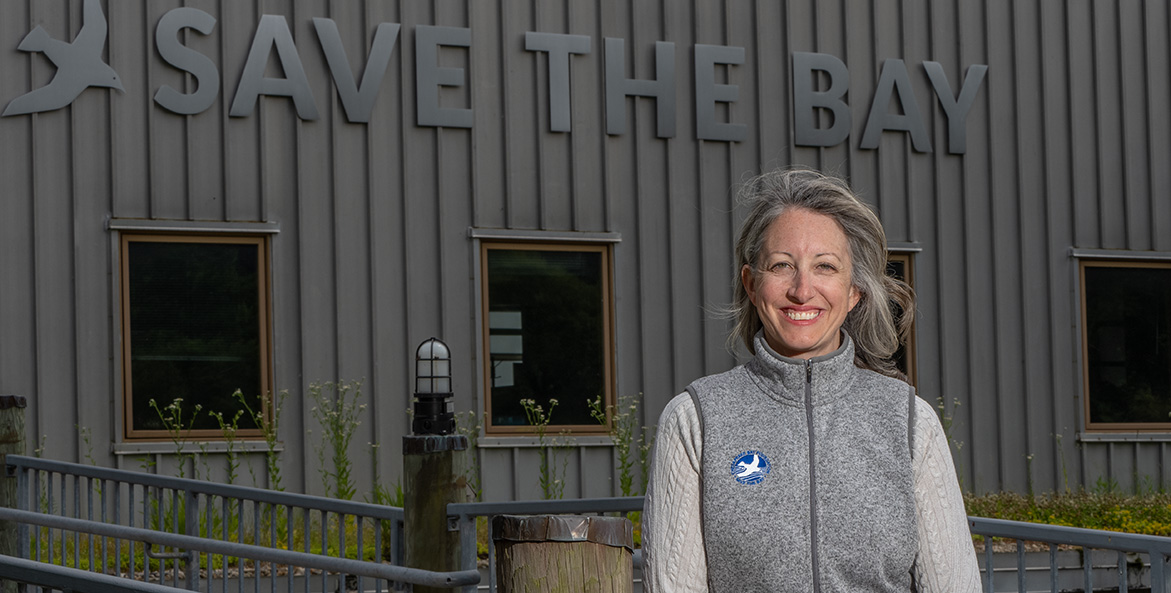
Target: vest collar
783,378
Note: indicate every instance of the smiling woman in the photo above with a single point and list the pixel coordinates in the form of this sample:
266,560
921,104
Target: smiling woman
817,438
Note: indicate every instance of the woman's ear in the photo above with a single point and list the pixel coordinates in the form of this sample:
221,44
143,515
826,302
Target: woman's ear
855,296
748,279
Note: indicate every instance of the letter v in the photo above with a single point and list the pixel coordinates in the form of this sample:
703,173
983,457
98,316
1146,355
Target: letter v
358,102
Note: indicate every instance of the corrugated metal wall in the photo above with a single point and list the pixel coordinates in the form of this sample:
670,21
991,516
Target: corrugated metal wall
1068,146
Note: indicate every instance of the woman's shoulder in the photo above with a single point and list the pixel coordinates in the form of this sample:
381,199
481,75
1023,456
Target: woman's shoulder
681,407
883,389
732,375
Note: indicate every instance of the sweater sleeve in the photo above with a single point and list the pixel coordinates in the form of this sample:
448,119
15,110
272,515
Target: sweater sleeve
947,561
672,538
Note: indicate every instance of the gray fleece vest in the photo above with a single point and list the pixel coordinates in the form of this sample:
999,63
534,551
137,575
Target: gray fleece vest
807,478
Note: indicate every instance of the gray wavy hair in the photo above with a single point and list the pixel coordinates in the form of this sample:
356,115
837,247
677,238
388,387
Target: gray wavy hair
876,328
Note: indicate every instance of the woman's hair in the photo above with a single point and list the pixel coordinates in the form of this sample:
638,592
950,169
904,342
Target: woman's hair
872,323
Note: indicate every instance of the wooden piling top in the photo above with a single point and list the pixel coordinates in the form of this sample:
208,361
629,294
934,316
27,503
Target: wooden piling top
610,531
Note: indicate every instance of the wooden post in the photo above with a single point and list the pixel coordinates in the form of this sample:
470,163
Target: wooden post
430,483
12,441
563,554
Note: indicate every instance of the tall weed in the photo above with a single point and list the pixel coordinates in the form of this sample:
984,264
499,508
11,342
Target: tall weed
336,408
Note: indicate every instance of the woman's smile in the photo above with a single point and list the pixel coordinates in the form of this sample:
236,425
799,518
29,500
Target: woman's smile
802,315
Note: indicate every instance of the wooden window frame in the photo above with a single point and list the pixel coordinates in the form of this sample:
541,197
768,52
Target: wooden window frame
264,296
1108,427
609,376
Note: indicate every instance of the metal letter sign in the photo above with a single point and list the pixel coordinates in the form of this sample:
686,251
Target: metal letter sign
708,93
805,99
358,102
431,76
821,114
618,87
956,109
559,47
189,60
894,80
274,31
79,64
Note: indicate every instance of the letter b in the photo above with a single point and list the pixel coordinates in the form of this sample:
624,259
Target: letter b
805,100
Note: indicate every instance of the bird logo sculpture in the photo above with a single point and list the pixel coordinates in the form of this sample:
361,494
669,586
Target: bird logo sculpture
79,64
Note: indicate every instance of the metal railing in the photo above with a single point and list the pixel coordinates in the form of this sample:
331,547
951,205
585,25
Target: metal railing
122,524
1153,550
155,528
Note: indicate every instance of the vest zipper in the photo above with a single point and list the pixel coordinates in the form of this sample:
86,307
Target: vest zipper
813,555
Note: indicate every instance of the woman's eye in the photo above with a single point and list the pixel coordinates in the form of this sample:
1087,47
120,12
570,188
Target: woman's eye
826,267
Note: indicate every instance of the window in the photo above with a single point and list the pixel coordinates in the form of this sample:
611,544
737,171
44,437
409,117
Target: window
195,327
547,328
898,265
1126,344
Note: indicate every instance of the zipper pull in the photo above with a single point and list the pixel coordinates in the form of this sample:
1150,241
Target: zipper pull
808,371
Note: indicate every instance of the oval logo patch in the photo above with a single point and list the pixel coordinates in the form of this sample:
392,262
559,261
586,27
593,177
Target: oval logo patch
750,467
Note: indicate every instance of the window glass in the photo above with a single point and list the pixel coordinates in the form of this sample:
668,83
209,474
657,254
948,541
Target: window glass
195,330
547,332
898,265
1127,344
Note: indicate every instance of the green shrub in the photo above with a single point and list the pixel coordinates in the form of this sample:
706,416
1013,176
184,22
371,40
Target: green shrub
1105,509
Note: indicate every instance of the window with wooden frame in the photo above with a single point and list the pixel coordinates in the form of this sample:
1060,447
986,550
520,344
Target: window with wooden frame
1126,344
899,266
196,323
548,333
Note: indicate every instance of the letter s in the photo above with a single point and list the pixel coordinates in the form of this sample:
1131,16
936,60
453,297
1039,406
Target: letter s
207,77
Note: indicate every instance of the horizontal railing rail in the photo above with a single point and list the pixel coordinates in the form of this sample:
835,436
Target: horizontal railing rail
63,578
276,497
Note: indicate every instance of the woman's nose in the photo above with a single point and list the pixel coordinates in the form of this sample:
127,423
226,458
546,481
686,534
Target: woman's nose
801,289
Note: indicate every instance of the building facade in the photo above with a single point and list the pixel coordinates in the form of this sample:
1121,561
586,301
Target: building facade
200,196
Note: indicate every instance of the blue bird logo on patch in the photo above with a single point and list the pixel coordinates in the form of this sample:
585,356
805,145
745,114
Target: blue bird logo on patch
750,467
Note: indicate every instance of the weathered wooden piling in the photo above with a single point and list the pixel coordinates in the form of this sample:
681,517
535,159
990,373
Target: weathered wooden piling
563,554
430,483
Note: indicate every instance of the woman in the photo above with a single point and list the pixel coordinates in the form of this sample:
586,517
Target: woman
813,466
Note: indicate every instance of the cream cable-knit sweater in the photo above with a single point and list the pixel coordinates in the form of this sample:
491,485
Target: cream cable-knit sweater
673,556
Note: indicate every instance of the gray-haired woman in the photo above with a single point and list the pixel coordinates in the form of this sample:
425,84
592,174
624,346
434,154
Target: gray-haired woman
813,466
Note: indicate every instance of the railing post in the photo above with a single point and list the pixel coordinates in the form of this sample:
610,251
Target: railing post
1158,577
467,544
191,527
12,440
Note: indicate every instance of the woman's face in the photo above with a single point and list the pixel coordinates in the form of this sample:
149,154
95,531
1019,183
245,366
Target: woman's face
802,288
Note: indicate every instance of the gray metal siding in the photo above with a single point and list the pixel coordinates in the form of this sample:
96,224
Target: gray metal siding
1067,147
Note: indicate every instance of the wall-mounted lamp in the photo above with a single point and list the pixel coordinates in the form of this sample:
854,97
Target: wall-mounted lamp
433,405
